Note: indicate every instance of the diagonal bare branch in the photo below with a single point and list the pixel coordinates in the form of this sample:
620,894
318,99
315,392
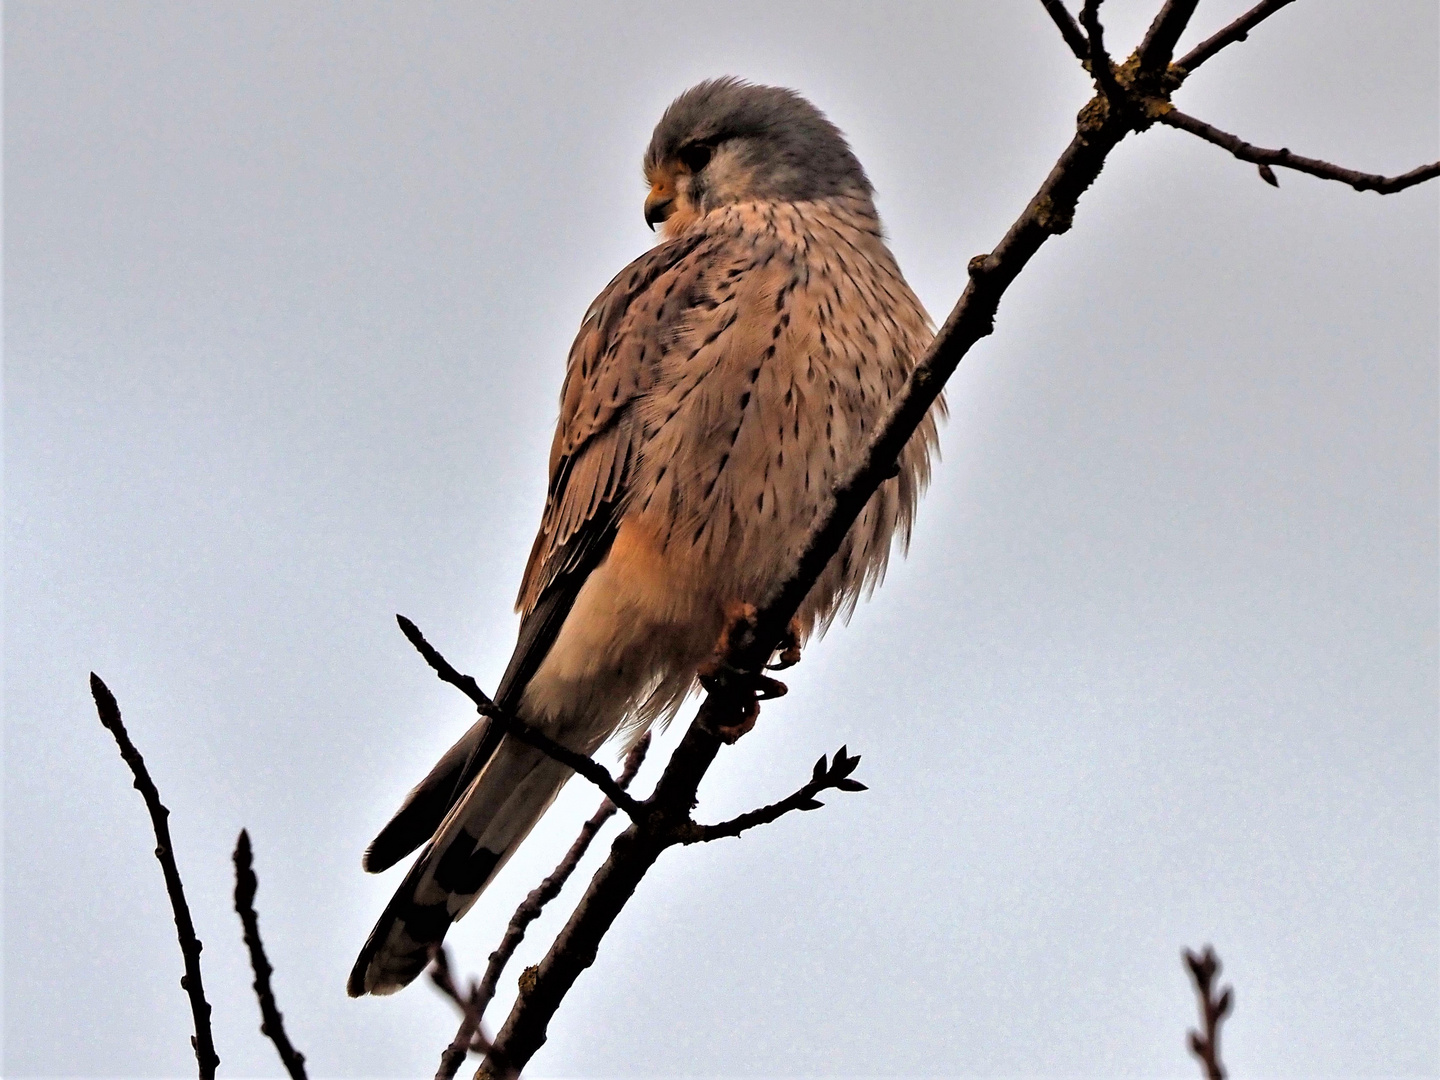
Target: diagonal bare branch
1213,1010
1238,30
835,776
1101,67
530,909
203,1040
272,1024
471,1035
1257,155
1164,34
583,764
1069,28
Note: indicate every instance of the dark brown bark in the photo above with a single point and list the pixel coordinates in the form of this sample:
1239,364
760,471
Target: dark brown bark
529,910
1213,1009
1238,30
1257,155
272,1023
203,1040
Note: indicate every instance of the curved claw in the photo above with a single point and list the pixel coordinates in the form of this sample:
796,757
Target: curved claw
789,648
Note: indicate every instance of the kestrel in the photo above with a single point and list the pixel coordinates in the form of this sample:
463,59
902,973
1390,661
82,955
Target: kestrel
718,387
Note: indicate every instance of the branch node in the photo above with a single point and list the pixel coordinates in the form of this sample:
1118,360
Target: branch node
526,981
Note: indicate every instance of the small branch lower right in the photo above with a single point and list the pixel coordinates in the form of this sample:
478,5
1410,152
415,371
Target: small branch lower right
1258,155
1205,1045
835,776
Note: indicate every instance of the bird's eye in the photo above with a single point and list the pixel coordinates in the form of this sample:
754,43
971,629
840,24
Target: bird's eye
696,156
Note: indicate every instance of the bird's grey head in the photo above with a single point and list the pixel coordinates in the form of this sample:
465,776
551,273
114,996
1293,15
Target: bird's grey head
726,141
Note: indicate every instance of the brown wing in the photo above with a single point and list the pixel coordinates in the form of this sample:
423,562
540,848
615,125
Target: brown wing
612,365
594,453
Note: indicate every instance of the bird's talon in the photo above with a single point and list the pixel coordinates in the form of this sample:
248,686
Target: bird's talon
789,648
728,733
767,688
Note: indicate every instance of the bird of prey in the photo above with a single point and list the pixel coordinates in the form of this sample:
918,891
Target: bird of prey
718,388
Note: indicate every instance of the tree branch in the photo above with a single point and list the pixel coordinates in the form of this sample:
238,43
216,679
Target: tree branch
272,1024
1101,67
1238,30
203,1040
583,764
1213,1010
835,776
1385,185
1069,29
1164,34
471,1035
530,909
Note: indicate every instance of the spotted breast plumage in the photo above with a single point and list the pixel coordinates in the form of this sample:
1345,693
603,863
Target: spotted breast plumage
718,387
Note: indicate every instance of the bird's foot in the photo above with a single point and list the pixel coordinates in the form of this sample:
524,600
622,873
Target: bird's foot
789,648
717,676
723,679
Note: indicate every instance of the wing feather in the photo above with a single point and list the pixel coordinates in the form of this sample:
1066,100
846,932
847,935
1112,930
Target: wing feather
597,440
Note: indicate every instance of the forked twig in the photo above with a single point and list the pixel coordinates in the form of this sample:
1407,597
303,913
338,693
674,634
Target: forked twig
834,776
1213,1010
529,910
272,1024
471,1036
203,1040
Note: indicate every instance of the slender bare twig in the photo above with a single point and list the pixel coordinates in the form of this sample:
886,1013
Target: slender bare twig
471,1035
1100,65
1385,185
534,903
529,910
272,1024
1213,1010
203,1040
583,764
1238,30
1160,40
1069,29
836,776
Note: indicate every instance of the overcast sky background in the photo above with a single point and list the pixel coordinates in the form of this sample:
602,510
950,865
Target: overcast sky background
288,292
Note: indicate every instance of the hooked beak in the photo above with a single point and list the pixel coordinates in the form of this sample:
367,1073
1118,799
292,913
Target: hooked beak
658,206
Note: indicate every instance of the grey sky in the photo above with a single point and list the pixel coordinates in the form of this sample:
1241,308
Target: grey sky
288,292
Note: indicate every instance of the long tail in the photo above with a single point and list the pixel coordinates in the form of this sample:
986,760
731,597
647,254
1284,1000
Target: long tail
479,834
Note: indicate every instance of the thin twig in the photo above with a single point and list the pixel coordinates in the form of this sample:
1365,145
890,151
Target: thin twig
528,911
835,776
203,1040
1069,28
534,903
583,764
471,1035
1160,40
1238,30
1100,66
1385,185
272,1024
1213,1010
